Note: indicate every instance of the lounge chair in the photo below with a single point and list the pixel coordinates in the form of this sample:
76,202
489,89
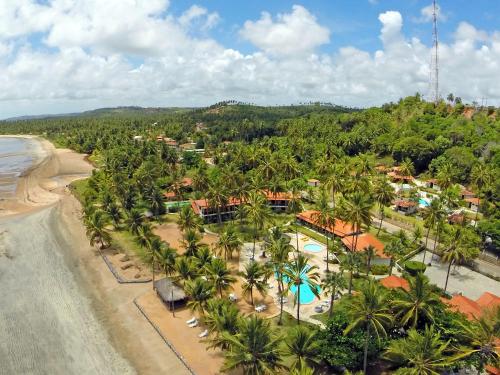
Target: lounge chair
232,297
318,309
260,308
203,334
194,324
191,321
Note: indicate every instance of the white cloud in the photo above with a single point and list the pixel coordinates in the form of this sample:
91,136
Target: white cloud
426,14
89,65
292,33
195,12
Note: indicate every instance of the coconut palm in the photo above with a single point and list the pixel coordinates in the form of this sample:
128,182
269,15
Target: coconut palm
166,257
303,371
114,213
199,292
335,182
481,336
420,353
295,206
280,249
406,169
298,273
302,346
134,220
356,210
191,242
96,229
254,275
221,316
350,264
445,175
217,197
383,194
369,309
188,220
324,219
257,212
416,304
228,242
432,215
185,268
394,249
332,282
219,275
255,349
370,252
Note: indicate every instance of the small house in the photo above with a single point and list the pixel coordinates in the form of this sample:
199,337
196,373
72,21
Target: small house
472,204
313,182
405,206
172,295
362,242
466,194
432,184
394,282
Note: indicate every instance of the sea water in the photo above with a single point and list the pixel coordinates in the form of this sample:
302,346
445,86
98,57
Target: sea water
16,156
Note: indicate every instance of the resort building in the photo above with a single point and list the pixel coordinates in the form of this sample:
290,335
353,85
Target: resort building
405,206
394,282
472,204
466,194
310,219
313,182
172,295
432,184
473,309
278,202
361,242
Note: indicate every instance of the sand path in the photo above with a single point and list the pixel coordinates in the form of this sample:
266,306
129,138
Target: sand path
62,311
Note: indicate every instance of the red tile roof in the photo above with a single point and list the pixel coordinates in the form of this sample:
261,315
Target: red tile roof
464,305
432,180
488,300
393,282
186,181
474,201
169,194
466,192
340,229
405,203
280,195
492,370
364,240
397,176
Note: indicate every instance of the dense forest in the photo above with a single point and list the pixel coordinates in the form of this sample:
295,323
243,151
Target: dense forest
237,150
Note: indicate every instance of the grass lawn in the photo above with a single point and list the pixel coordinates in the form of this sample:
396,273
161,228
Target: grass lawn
308,232
79,188
124,241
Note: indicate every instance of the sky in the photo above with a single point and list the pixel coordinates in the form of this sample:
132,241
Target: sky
60,56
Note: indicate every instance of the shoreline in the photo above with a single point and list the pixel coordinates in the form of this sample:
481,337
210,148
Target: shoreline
42,193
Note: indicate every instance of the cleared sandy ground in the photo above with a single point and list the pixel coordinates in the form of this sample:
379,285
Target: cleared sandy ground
61,310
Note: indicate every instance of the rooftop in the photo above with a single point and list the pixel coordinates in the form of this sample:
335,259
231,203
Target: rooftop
473,309
168,291
393,282
364,240
405,203
341,228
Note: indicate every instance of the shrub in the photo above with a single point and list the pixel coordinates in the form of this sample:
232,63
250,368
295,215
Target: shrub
379,269
413,267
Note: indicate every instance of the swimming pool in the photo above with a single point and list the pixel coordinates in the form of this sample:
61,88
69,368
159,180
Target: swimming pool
306,294
313,247
423,202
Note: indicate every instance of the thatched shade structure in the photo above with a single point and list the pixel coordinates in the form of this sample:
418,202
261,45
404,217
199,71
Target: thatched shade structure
171,294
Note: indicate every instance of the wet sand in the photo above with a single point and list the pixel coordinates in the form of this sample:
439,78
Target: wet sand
62,311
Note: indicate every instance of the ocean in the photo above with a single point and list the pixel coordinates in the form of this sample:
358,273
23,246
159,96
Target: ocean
16,155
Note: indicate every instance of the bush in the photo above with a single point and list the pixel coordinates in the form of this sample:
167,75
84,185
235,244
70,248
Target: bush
379,269
413,267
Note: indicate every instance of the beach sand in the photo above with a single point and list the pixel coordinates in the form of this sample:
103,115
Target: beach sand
62,311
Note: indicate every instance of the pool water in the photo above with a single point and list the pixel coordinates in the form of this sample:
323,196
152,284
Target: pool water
306,294
313,247
423,202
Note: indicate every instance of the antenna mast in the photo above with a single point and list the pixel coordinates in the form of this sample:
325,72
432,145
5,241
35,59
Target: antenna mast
434,71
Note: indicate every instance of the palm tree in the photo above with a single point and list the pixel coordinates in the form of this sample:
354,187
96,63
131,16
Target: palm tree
406,169
257,211
394,249
445,175
335,181
255,349
280,249
166,257
155,245
417,303
482,336
383,193
114,214
96,229
350,264
482,175
221,316
332,282
458,249
254,275
191,242
431,215
303,371
199,292
185,268
219,275
299,272
370,253
356,210
228,242
188,220
217,197
420,353
295,206
323,218
369,309
134,220
202,259
302,345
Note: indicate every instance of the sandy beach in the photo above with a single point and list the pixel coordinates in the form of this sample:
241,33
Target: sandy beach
62,311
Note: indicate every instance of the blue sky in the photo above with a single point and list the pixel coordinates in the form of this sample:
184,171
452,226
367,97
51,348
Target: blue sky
81,54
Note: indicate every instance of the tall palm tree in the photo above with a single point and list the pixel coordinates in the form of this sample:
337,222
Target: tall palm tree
96,229
166,257
199,292
185,268
219,275
332,282
302,346
114,213
445,175
258,212
482,175
324,219
254,275
384,194
350,264
356,210
217,197
188,220
406,169
295,206
420,353
335,182
228,242
202,258
255,349
191,242
394,249
369,309
481,336
134,220
370,253
298,273
432,215
221,316
280,249
417,303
